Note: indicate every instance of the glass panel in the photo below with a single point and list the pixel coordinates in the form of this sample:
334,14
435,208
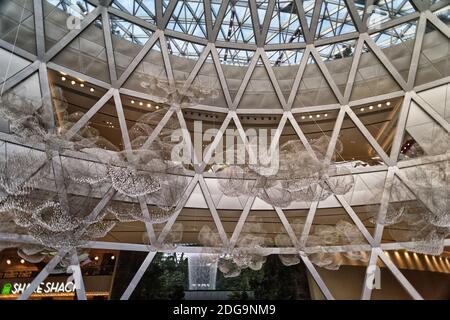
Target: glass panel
423,136
144,9
334,19
397,44
149,73
387,10
434,61
237,24
355,147
17,24
314,89
380,119
439,99
189,17
338,59
60,17
285,25
259,92
72,98
128,40
87,53
10,64
372,78
443,14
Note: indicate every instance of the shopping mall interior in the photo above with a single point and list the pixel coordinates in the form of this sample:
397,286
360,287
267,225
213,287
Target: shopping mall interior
224,149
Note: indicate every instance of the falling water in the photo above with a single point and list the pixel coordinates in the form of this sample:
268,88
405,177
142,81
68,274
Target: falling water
202,271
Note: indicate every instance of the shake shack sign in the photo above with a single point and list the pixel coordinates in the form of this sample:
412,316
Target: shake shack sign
44,287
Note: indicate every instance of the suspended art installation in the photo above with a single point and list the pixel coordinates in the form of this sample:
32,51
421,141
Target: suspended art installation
55,204
293,174
343,233
58,213
147,176
245,254
248,251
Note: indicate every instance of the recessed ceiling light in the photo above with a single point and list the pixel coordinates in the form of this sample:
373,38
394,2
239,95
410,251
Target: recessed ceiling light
8,262
362,109
132,101
157,107
73,82
318,116
310,117
149,105
22,261
96,258
113,257
379,105
303,117
371,107
82,85
325,115
63,78
141,103
388,103
91,89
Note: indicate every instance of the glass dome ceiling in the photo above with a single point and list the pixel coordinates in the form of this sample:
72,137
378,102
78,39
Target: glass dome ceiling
240,26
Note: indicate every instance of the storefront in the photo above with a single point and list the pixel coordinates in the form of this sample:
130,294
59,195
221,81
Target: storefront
16,274
56,288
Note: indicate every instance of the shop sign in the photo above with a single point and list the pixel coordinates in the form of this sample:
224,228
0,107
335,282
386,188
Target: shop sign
44,287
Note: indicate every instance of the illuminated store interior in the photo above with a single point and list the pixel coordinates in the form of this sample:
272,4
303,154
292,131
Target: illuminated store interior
224,149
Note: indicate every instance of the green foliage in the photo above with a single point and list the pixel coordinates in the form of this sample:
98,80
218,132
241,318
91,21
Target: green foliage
273,282
165,279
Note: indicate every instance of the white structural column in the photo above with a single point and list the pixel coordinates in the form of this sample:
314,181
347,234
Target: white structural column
399,275
316,276
78,277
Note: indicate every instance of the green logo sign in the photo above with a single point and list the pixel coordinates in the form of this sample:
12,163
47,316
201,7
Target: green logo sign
6,288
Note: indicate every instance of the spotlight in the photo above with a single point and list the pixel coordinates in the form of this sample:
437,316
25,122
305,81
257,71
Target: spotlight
132,101
22,261
82,85
113,257
325,115
379,105
73,82
388,103
141,103
303,117
371,107
149,105
63,78
157,107
91,89
96,258
8,262
310,117
318,116
362,109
